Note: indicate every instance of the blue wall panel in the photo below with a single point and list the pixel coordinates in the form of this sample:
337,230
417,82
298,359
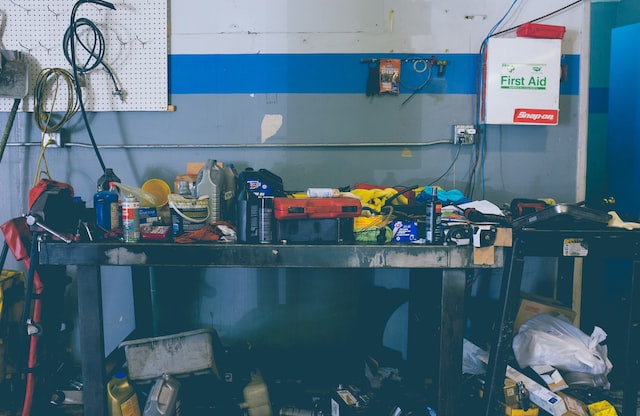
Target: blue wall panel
624,120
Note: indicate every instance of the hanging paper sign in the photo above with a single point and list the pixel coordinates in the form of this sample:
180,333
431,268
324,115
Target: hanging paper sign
390,76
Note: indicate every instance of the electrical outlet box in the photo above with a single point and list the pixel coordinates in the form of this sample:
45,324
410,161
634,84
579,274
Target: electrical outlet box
53,139
464,134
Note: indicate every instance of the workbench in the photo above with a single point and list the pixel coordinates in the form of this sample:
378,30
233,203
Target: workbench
446,265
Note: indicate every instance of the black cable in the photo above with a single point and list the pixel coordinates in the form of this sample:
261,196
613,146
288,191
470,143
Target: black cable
537,19
429,68
449,168
69,44
396,195
94,46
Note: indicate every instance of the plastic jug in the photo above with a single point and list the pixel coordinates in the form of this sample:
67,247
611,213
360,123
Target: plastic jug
164,399
256,396
122,398
209,182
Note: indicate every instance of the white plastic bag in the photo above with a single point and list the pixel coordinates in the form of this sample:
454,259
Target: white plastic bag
473,358
553,340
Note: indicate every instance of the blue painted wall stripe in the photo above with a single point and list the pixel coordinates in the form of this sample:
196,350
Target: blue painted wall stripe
325,74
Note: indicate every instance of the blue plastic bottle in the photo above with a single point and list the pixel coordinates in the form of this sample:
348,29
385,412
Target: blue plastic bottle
106,206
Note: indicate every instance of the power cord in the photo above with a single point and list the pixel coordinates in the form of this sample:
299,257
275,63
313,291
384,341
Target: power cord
43,118
446,172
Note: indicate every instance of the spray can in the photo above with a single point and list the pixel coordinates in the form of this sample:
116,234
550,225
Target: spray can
265,220
209,182
433,233
130,219
164,399
122,398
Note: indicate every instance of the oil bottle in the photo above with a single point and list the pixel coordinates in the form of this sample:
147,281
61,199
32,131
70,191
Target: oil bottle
209,182
122,398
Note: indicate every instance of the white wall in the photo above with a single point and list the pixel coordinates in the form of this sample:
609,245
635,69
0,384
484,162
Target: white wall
405,26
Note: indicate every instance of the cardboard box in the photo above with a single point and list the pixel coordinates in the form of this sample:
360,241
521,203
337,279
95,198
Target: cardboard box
551,376
532,305
510,392
574,406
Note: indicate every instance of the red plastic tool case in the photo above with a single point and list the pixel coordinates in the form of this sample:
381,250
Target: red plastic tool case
537,30
301,208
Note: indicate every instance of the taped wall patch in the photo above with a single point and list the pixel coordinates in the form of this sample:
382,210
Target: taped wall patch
271,123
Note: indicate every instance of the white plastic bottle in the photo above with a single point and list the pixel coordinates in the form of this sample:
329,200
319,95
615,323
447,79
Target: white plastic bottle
209,183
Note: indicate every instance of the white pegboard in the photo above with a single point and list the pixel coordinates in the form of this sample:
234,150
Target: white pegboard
135,35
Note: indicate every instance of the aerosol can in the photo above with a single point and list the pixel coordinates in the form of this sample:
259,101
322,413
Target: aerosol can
164,399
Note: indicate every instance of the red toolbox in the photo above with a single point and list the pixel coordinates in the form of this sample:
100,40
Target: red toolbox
302,208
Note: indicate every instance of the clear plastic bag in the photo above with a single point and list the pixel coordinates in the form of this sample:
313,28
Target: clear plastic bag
553,340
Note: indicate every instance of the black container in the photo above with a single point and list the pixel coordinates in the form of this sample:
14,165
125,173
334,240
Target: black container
248,205
108,176
433,220
255,205
261,182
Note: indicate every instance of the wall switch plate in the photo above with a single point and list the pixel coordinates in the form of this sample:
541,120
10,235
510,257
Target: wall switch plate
464,134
